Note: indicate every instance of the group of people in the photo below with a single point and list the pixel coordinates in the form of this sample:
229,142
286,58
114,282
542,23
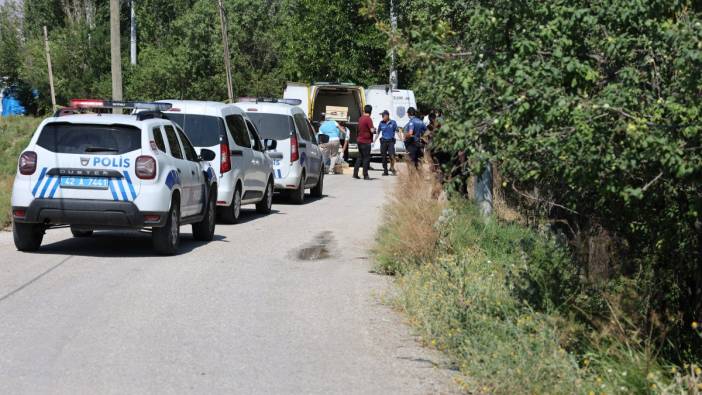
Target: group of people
416,135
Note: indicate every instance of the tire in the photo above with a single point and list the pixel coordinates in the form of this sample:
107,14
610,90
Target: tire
167,239
80,232
318,190
204,230
266,204
27,237
297,196
231,213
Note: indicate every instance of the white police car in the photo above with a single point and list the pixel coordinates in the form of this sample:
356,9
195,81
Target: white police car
104,171
299,166
243,162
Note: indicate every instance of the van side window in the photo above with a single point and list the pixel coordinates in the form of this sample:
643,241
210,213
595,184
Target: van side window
173,142
302,127
254,136
158,139
189,150
237,127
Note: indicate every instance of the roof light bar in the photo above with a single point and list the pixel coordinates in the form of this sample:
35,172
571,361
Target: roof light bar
130,105
292,102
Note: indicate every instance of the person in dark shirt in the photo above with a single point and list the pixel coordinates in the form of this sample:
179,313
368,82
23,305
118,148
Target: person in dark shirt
364,140
413,135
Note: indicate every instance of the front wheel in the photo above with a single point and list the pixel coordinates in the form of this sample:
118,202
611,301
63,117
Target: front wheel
167,239
266,204
318,190
27,237
204,230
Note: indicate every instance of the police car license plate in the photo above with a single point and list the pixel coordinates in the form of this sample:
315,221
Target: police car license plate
84,182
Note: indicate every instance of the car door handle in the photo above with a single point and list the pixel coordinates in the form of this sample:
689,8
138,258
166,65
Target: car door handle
302,145
236,152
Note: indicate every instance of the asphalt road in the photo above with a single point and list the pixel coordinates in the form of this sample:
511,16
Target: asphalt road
247,313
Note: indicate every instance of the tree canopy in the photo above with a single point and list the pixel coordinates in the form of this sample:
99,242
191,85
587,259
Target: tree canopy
180,47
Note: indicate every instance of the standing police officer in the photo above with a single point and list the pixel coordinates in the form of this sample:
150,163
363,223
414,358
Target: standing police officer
413,135
386,131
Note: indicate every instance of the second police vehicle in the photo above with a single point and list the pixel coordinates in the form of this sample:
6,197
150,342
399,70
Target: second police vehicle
105,171
243,160
299,166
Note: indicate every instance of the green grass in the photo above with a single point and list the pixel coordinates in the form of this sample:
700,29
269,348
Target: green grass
15,133
499,299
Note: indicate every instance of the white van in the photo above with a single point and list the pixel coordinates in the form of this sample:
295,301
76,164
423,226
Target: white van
316,97
396,102
300,166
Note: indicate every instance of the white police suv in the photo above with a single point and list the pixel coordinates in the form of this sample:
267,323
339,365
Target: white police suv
243,163
104,171
299,166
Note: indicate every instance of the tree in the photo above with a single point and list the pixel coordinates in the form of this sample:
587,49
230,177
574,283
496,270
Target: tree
10,41
333,42
592,112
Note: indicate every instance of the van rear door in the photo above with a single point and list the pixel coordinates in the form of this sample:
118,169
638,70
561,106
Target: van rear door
381,100
294,90
278,127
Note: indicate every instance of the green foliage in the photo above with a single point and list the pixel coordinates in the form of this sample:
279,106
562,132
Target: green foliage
40,13
9,41
15,133
595,105
180,48
333,42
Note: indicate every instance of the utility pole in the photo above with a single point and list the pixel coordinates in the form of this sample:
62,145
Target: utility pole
51,72
393,24
132,34
225,44
115,50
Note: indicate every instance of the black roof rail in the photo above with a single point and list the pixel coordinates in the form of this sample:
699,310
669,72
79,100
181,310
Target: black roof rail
144,115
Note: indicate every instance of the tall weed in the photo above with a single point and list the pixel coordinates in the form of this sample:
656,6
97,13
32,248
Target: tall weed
408,235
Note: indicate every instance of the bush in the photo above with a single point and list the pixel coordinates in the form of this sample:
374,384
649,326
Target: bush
507,304
592,112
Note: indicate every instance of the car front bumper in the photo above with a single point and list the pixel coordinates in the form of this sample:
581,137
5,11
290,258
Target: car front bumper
97,214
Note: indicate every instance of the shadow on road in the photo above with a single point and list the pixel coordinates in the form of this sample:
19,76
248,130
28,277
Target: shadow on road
284,201
125,244
249,215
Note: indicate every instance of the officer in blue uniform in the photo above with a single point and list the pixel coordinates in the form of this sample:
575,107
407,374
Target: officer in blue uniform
386,132
414,130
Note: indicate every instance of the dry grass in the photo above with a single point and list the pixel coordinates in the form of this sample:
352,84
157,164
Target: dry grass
5,194
409,233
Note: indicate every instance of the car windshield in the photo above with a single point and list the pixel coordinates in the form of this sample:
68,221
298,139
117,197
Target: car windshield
67,138
272,126
202,130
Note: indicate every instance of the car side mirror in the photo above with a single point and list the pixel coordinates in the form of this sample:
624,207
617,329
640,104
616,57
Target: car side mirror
207,155
271,144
